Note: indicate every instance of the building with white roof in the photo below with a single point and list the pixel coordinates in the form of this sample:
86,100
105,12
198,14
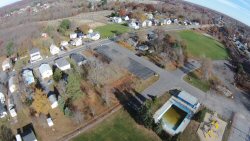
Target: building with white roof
28,77
35,55
54,49
6,64
45,71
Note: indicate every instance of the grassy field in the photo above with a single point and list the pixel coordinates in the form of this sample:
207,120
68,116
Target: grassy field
119,127
202,46
110,30
194,80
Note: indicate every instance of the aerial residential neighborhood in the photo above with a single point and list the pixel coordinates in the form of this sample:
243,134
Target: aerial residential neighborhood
103,70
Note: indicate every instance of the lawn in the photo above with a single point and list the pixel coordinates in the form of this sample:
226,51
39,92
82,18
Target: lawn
193,79
203,46
120,127
110,30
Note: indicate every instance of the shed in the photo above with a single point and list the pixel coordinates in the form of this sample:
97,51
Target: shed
78,58
45,71
50,122
62,64
54,49
28,77
53,100
72,35
76,42
12,85
6,64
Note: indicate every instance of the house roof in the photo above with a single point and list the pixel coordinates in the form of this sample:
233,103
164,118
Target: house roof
6,62
28,135
188,98
61,62
34,50
52,98
44,67
77,57
28,76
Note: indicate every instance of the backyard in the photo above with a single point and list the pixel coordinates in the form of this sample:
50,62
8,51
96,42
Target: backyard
199,45
110,30
119,127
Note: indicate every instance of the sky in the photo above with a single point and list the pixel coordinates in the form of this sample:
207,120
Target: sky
7,2
237,9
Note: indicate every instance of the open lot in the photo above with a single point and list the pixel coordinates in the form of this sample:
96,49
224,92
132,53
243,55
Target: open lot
110,30
120,127
199,45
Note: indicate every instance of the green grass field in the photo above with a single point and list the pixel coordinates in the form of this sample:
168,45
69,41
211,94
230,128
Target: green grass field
119,127
110,30
202,46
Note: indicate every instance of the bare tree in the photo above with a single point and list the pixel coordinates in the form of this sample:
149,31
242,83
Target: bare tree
206,68
142,36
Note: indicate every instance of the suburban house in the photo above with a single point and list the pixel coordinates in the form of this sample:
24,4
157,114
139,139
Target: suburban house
53,100
181,107
62,64
134,25
94,36
27,134
35,55
150,16
143,48
144,23
149,23
3,111
45,71
6,64
76,42
72,35
11,107
116,19
64,44
54,49
175,21
28,77
12,85
132,42
78,58
169,21
126,18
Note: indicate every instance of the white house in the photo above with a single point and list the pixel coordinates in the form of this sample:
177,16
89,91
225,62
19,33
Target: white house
133,25
149,23
53,101
126,18
72,35
54,49
150,16
45,71
117,19
176,21
94,36
77,42
6,64
35,55
28,77
3,111
12,85
62,64
90,31
144,24
169,21
64,43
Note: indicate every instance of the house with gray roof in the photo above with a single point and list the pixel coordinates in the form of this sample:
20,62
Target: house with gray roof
35,55
62,64
78,58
